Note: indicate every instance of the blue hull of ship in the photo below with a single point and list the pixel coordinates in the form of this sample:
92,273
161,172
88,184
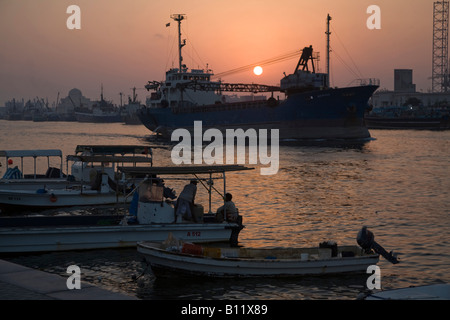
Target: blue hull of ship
321,114
87,117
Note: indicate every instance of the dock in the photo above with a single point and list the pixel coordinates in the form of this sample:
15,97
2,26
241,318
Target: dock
22,283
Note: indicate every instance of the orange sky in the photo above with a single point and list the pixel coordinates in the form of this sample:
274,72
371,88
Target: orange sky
123,44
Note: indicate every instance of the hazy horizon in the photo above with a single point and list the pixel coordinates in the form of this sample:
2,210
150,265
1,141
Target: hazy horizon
124,44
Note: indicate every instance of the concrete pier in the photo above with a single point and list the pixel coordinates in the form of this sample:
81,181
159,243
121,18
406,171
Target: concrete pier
21,283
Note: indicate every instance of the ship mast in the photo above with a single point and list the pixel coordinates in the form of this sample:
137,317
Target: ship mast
178,18
328,49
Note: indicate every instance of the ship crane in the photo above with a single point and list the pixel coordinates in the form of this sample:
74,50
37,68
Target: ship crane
306,56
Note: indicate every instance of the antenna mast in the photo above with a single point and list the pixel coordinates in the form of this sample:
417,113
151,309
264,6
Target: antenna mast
178,18
328,49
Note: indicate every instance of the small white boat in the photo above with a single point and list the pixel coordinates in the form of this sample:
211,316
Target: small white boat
154,221
15,178
81,170
428,292
23,178
169,257
19,200
94,180
246,262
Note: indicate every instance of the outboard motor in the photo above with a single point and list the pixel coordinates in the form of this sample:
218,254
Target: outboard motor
366,240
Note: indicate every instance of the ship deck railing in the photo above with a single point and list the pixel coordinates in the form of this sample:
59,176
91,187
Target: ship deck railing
221,106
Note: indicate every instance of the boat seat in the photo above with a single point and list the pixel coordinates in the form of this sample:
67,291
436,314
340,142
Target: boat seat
53,172
95,178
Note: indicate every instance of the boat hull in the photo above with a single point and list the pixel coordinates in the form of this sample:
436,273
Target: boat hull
19,200
35,184
320,114
131,119
165,262
64,238
408,123
98,118
439,291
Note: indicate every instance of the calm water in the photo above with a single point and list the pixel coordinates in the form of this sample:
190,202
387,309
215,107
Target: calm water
398,185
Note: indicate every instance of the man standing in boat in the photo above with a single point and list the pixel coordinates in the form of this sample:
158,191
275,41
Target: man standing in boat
185,201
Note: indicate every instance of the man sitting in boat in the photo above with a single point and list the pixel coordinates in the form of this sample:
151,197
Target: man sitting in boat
185,201
228,209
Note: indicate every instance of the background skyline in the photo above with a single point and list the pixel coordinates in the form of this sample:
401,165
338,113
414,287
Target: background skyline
124,44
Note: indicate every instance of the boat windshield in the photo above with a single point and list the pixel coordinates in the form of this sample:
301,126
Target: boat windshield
33,155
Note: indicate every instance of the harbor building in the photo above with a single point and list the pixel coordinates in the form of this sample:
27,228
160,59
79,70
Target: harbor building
405,93
74,101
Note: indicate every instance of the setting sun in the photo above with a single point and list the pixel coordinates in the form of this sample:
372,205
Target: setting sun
258,70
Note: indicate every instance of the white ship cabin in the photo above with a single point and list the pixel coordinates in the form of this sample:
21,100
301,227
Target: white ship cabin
183,88
303,80
171,93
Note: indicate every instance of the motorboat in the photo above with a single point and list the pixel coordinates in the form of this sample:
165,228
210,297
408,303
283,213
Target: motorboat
15,178
153,221
94,180
24,177
100,190
174,257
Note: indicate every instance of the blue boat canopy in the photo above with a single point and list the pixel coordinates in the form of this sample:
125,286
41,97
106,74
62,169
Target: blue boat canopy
114,149
183,170
31,153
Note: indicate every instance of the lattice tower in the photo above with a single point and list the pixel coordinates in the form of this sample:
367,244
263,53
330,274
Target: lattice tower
440,70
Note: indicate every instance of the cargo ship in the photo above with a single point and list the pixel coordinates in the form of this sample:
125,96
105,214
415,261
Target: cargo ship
311,108
102,111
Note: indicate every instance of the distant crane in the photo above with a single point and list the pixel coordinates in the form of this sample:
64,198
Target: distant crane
440,70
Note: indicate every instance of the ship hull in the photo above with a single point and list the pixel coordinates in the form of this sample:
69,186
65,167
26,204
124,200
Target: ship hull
442,123
98,118
321,114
